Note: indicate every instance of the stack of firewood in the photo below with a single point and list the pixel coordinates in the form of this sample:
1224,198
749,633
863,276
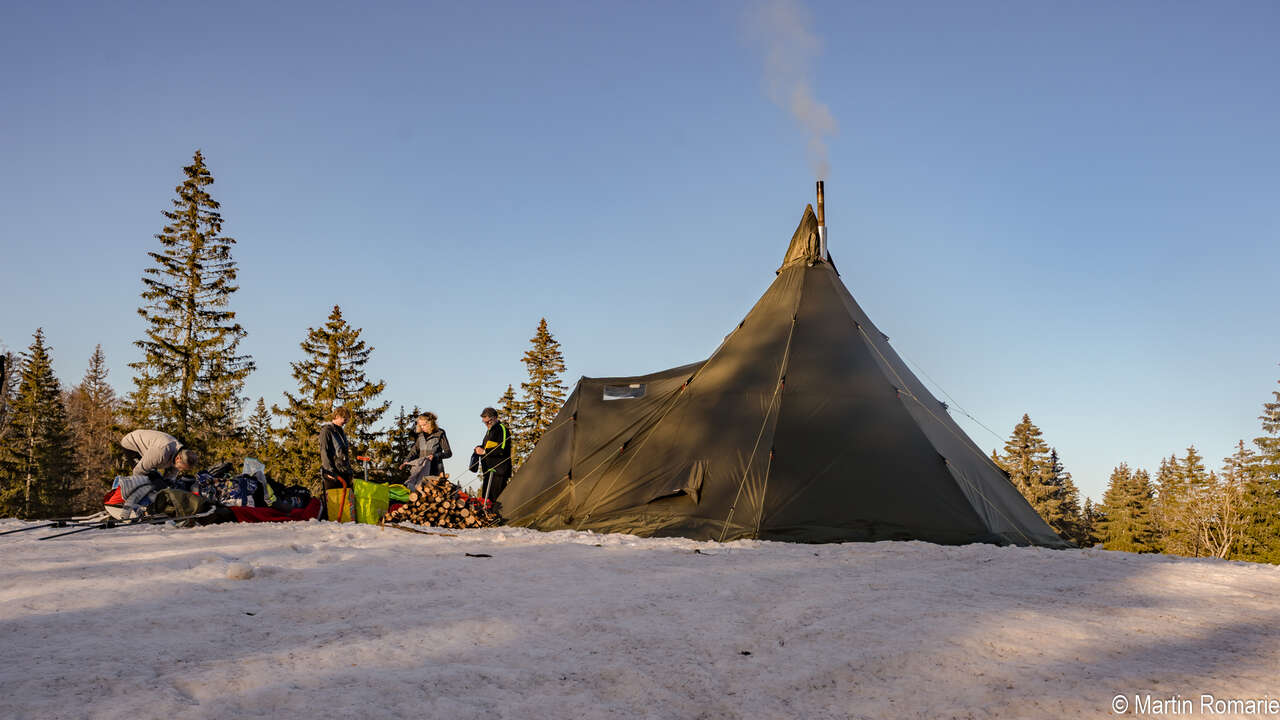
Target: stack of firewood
439,503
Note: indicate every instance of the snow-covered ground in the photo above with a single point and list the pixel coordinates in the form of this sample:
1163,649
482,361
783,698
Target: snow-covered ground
349,621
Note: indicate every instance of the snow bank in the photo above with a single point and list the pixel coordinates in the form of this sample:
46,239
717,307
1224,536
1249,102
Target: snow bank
324,620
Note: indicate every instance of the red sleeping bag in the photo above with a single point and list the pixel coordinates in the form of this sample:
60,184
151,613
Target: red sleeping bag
266,514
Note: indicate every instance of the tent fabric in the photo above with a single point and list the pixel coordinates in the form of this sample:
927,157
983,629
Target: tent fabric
804,425
805,246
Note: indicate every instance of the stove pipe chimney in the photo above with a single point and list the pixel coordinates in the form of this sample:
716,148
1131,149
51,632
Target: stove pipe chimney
822,226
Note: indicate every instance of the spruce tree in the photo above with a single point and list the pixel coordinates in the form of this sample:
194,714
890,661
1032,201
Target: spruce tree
260,437
1260,540
544,393
1171,506
396,444
40,460
1199,484
8,375
191,375
512,411
1038,474
1065,513
331,373
1025,455
1184,504
1089,519
1126,522
92,410
9,371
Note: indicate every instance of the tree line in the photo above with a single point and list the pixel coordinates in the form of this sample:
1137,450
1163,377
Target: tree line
1186,509
58,447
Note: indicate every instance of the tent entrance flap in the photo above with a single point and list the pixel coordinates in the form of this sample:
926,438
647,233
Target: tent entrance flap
688,482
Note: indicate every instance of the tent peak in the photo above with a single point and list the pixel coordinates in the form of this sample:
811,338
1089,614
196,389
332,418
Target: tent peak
806,242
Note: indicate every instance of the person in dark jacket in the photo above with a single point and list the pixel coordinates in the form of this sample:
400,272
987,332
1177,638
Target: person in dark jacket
335,453
430,449
492,457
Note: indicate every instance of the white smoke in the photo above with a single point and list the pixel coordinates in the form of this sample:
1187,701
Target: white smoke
781,29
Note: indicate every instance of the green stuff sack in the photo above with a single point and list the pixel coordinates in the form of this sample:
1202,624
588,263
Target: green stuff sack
398,493
372,500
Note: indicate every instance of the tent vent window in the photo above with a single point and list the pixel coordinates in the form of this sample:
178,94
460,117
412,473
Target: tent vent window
624,392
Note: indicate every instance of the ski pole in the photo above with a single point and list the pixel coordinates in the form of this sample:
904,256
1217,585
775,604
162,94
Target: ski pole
61,523
145,520
55,524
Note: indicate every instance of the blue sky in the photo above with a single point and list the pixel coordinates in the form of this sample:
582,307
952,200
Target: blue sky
1067,210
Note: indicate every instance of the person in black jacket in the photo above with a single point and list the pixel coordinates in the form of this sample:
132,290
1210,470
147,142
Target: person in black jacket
335,454
430,449
492,458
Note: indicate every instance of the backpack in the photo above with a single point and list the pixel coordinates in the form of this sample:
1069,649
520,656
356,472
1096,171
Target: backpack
293,497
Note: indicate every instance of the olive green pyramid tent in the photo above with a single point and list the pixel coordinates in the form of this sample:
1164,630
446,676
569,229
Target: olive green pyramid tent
804,425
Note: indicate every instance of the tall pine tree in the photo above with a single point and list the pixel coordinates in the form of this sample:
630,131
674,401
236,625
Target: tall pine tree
39,462
92,410
1169,497
1183,504
1089,520
191,375
543,394
331,373
8,382
1261,502
1127,522
1038,474
396,444
512,411
1067,520
7,370
260,437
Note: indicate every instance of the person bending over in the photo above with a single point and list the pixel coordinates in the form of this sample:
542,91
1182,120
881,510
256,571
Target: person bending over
158,455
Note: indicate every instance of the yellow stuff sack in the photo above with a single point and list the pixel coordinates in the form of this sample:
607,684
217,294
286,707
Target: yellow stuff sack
340,505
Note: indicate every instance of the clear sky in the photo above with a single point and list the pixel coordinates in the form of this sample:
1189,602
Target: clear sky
1070,210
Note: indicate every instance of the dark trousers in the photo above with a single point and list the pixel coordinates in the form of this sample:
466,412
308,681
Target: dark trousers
494,484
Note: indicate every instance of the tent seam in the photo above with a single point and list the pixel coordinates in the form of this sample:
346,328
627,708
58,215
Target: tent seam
777,393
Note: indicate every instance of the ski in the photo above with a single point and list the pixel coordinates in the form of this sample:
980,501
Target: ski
145,520
61,523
